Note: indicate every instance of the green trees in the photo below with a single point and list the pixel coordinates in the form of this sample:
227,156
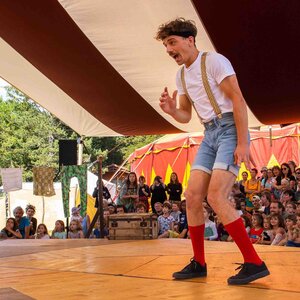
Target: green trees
29,134
29,137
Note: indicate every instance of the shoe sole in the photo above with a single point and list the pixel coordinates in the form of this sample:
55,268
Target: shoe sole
188,276
248,279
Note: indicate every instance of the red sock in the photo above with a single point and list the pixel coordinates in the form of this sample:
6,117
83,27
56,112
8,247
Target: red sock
238,232
197,237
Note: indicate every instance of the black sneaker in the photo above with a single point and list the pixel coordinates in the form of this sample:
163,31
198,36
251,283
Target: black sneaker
192,270
249,272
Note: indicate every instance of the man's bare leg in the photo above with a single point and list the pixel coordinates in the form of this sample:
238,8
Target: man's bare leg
195,194
218,192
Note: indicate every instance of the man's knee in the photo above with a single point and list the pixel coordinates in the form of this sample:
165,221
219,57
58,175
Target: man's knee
213,197
193,199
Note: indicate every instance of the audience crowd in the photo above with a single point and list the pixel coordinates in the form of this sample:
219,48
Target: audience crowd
269,205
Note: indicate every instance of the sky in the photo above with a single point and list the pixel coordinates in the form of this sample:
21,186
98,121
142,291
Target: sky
3,83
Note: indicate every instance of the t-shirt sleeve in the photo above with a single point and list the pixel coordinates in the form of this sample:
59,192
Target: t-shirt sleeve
179,83
219,67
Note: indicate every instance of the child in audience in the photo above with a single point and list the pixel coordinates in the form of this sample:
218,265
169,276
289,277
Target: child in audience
290,207
277,225
165,221
42,232
267,235
293,227
257,228
76,214
210,232
10,231
75,231
176,212
59,230
141,208
97,231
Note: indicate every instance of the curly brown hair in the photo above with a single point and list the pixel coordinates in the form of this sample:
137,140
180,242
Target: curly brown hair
179,26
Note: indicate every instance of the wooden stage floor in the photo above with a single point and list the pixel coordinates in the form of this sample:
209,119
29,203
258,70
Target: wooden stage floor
101,269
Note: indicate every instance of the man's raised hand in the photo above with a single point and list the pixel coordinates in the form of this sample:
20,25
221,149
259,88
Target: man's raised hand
167,103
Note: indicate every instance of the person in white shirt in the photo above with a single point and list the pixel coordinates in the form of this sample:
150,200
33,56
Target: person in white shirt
207,82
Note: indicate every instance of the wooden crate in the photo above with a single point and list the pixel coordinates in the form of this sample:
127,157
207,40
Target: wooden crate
132,226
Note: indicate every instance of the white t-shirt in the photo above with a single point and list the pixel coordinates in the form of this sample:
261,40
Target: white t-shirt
218,67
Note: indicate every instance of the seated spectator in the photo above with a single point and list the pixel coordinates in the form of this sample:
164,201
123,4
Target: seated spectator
10,231
244,211
293,167
267,235
266,199
23,222
284,181
290,222
121,209
176,212
59,230
257,228
223,235
290,208
75,231
297,194
263,175
129,193
276,207
183,217
236,192
294,233
252,187
112,208
144,192
42,232
158,193
97,230
287,196
174,188
85,224
210,231
247,223
30,211
141,208
257,208
287,173
158,208
243,182
235,204
277,225
75,215
105,194
165,221
267,182
276,186
298,207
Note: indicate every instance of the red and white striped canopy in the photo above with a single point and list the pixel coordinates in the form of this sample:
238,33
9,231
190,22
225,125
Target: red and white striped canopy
96,65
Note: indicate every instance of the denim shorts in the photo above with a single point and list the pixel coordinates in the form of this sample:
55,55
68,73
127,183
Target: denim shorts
217,148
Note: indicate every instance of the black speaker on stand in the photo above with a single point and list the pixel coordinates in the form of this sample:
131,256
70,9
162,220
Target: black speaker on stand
67,152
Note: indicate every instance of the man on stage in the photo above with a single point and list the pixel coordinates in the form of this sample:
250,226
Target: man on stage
208,82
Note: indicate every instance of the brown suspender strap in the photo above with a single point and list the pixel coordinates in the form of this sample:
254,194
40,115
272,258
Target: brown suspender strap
187,94
207,88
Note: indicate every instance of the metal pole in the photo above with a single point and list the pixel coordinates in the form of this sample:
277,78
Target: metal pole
100,197
80,151
99,213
